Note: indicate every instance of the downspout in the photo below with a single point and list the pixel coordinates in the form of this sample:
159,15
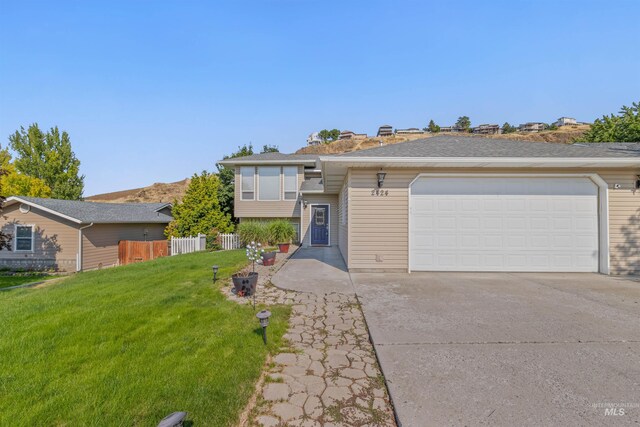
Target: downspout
79,263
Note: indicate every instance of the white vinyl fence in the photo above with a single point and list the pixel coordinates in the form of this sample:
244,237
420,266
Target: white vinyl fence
186,245
229,241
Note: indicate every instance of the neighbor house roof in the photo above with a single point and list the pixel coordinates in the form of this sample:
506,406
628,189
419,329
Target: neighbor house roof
98,213
275,158
456,146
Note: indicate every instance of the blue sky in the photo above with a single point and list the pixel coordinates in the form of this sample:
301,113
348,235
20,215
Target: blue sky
155,91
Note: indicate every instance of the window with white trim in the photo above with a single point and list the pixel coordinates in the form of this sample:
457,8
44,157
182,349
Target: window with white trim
290,174
24,238
269,183
247,183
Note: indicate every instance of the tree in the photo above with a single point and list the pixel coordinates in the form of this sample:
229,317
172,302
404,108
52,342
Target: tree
13,183
48,157
433,127
625,127
226,175
329,135
507,128
463,123
270,149
200,210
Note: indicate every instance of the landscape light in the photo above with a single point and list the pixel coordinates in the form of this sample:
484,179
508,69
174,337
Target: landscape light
264,322
215,273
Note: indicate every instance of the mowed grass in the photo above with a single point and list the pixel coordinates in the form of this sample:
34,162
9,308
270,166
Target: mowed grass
22,279
129,345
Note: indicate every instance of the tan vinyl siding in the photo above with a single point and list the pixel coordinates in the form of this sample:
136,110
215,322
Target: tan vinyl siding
320,199
55,240
266,209
343,222
100,241
378,225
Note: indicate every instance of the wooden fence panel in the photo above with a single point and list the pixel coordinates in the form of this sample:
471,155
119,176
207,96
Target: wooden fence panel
131,251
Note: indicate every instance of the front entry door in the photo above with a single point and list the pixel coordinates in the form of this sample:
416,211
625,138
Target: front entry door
320,225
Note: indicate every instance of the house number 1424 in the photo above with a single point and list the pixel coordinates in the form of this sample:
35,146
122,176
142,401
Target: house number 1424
379,192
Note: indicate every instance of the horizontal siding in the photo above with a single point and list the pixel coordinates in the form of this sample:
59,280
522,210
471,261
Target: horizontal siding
315,199
378,225
100,242
55,240
343,224
266,209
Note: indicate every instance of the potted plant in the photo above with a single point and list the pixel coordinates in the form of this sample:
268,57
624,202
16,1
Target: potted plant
269,258
245,282
281,232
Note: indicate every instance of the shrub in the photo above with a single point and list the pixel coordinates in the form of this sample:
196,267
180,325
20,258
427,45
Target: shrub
252,231
281,231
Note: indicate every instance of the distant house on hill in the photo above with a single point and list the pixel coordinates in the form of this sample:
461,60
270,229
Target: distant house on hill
565,121
385,130
314,139
487,129
532,127
69,235
409,131
347,134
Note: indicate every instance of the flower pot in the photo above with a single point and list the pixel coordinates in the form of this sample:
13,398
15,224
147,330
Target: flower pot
283,247
268,258
245,285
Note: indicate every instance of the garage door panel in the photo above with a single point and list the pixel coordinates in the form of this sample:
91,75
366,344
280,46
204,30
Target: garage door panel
511,224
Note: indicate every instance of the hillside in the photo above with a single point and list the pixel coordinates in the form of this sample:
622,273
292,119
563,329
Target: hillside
565,134
158,192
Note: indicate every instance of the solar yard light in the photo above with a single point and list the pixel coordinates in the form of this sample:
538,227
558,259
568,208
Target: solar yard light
173,420
215,273
264,322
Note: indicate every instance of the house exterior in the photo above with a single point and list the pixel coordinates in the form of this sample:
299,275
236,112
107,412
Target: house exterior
487,129
565,121
71,236
451,203
347,134
314,139
532,127
385,130
409,131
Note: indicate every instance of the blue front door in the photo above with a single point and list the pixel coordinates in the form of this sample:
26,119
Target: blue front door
320,224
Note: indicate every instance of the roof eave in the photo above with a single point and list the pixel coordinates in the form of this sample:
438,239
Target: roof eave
230,162
491,161
43,208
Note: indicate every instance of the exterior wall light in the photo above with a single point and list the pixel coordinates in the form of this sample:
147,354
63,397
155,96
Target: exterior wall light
381,176
215,273
304,203
638,182
263,316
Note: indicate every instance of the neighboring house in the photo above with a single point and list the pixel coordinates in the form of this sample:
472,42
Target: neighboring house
487,129
409,131
347,134
532,127
565,121
385,130
448,129
314,139
68,235
455,203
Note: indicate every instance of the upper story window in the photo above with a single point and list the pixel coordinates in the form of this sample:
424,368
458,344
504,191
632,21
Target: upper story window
247,182
24,238
290,182
269,183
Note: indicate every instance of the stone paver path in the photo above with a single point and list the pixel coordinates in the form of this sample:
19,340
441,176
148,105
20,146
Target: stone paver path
329,375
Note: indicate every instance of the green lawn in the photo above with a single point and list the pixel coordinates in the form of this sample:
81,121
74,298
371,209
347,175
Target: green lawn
128,345
8,281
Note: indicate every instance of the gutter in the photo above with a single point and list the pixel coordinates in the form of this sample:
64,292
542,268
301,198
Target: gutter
79,261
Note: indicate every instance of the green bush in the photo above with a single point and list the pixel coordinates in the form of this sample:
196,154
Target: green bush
280,231
253,231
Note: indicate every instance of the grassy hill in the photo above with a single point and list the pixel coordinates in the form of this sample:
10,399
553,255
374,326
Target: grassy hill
158,192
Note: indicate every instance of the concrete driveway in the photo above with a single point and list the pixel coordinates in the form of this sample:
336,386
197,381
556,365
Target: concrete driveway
506,349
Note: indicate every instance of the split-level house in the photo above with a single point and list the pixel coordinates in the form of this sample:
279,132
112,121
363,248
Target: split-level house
450,203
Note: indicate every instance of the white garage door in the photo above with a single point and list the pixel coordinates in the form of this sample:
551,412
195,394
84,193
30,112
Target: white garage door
504,224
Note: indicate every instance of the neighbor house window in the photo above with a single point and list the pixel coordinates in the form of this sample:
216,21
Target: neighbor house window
24,238
247,182
269,183
290,182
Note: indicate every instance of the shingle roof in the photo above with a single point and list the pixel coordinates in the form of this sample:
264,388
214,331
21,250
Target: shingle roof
272,157
87,212
457,146
312,184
